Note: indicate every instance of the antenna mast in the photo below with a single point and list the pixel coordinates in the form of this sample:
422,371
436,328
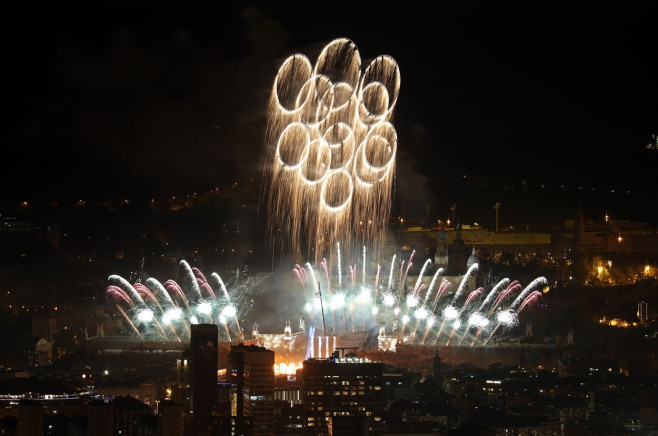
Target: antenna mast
324,326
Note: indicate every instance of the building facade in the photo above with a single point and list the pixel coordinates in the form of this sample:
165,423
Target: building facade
342,396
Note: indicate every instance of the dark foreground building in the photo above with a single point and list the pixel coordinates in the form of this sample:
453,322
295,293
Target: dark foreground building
203,347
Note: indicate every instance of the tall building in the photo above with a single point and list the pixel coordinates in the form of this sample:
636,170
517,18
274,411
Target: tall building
203,348
251,371
342,396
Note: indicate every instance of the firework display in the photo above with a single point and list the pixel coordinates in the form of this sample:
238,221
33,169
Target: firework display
330,167
331,149
164,312
428,313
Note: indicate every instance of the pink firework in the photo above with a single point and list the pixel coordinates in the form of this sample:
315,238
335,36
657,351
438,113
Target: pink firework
145,291
119,294
406,273
299,276
512,287
199,274
473,295
173,287
443,287
325,269
206,286
530,299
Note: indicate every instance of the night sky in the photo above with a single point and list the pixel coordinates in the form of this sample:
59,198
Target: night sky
108,101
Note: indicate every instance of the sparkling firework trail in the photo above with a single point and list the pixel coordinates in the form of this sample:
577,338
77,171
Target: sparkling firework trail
530,299
364,265
206,287
340,276
539,281
462,285
511,288
191,279
159,290
199,274
166,315
429,290
120,294
126,286
130,322
142,289
445,284
492,294
390,275
379,268
420,276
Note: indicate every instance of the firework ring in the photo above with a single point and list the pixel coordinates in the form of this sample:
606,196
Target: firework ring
343,144
382,72
293,142
293,66
321,165
340,52
334,184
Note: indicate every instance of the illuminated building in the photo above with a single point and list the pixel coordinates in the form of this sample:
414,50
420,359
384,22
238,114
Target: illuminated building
251,371
203,348
342,396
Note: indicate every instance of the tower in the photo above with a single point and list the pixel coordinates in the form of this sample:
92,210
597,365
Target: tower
528,330
203,347
441,252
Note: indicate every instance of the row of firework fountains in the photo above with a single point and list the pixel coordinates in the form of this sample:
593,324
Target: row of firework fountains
421,314
429,313
167,310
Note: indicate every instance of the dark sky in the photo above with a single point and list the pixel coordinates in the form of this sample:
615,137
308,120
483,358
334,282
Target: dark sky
103,100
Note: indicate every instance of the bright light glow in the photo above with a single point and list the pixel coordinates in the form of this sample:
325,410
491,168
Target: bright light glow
286,368
450,313
145,315
507,318
194,320
412,300
396,311
229,311
364,296
478,320
405,319
456,324
389,300
308,307
421,313
170,315
430,322
374,310
337,301
204,308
